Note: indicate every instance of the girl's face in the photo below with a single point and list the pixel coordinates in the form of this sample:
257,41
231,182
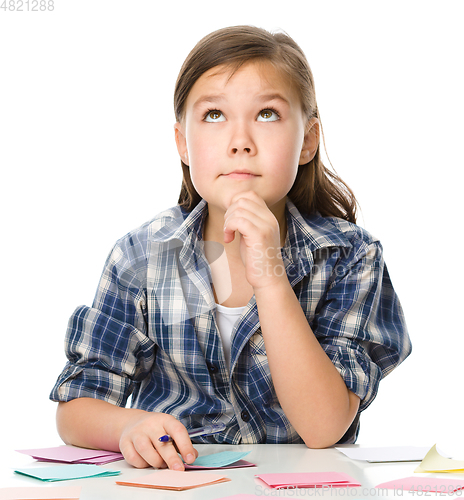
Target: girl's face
244,133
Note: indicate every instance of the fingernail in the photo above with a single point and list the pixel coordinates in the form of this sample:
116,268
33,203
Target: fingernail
177,466
190,458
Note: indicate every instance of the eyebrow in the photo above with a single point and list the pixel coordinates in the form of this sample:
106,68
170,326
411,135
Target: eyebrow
274,97
208,98
221,97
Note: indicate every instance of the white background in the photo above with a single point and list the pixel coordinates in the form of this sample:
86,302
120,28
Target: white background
87,153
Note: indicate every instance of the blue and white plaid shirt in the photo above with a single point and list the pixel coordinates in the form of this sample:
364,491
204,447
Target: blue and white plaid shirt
152,333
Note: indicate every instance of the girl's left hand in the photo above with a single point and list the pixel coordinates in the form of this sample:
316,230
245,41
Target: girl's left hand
260,239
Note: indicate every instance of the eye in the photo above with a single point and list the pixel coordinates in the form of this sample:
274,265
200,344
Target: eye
214,115
268,115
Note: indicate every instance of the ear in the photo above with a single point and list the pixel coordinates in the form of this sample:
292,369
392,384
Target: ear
310,142
181,142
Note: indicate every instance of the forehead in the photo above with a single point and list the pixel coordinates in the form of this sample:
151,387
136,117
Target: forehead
256,75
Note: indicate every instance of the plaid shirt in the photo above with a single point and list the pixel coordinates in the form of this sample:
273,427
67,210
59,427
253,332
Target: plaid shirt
151,332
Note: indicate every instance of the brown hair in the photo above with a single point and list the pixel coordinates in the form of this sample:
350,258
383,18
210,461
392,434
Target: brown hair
315,187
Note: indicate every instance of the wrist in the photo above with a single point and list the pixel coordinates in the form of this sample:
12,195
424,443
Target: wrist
273,288
126,418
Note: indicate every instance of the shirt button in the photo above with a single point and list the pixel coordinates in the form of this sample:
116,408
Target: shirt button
245,416
212,368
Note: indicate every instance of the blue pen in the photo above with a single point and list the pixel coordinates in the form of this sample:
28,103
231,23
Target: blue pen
199,431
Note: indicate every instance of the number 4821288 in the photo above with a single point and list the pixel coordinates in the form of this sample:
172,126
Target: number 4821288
27,5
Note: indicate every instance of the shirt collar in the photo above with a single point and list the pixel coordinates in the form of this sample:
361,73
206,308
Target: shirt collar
305,234
177,228
178,224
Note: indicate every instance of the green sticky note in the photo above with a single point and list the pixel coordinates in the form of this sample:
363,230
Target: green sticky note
65,472
220,459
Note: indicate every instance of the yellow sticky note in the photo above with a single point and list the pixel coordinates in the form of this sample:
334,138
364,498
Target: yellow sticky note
434,462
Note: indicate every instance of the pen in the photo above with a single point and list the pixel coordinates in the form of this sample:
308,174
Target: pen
199,431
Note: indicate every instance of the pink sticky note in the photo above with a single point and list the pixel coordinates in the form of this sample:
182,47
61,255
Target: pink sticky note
235,465
242,496
424,484
47,493
175,480
73,454
308,480
106,459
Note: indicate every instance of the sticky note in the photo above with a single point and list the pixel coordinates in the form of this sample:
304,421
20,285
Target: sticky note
73,454
175,480
46,493
220,460
242,496
308,480
434,462
425,485
386,454
65,472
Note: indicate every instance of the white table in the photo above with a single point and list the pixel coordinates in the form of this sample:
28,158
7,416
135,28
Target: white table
268,457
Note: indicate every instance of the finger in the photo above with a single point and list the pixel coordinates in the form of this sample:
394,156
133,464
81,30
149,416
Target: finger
132,457
253,227
147,451
169,455
255,205
248,209
242,224
245,210
181,440
258,219
229,235
250,195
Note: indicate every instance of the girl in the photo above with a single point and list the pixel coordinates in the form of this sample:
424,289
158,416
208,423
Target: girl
256,302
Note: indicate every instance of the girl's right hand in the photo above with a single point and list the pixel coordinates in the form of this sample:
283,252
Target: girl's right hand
141,448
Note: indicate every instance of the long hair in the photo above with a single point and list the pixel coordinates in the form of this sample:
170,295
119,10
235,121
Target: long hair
316,189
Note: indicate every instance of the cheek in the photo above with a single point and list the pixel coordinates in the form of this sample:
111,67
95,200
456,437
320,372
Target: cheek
201,148
201,171
285,167
285,155
285,143
203,158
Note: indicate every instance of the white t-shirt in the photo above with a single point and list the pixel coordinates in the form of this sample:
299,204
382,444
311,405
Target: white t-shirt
226,318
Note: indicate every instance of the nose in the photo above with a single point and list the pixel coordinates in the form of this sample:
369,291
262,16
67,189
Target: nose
241,141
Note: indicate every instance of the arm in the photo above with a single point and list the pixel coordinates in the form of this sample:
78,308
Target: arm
309,387
108,350
311,391
97,424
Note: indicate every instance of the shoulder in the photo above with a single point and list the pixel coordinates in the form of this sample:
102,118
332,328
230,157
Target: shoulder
168,220
319,232
352,232
134,245
362,243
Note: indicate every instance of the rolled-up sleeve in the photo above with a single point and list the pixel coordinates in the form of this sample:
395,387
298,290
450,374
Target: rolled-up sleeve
360,323
106,345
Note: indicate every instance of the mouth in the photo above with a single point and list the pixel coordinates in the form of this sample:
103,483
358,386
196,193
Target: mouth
241,174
